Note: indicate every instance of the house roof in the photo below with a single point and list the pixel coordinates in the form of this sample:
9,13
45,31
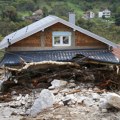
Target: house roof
116,52
58,55
41,25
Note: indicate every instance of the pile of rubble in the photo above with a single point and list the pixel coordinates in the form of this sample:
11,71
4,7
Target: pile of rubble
60,91
77,98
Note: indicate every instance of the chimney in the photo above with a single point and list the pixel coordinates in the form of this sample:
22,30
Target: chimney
72,18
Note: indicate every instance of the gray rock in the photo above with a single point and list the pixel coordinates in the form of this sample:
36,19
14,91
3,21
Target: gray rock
103,104
88,102
51,88
26,97
104,110
89,77
58,83
58,97
69,99
113,99
13,92
55,91
104,119
60,103
1,85
65,90
45,100
95,96
96,89
1,105
72,81
66,100
23,102
7,112
58,117
19,97
80,99
71,85
15,104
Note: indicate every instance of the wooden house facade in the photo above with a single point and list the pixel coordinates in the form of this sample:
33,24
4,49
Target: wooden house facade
55,35
43,40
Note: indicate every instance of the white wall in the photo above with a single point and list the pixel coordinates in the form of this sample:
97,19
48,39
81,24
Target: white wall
100,14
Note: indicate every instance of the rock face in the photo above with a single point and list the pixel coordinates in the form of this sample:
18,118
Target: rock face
46,99
114,100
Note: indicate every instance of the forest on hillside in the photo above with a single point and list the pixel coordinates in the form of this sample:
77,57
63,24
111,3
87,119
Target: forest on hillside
14,12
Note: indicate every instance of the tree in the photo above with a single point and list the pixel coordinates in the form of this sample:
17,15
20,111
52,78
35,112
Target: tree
45,11
117,16
28,5
117,19
10,12
61,10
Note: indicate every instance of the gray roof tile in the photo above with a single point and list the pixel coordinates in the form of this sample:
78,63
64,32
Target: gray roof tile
58,55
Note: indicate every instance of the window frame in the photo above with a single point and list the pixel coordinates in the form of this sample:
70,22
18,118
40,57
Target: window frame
61,35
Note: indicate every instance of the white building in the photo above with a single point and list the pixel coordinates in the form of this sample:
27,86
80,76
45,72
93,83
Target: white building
106,13
89,15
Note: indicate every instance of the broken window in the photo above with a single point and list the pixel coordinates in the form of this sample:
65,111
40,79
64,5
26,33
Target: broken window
61,38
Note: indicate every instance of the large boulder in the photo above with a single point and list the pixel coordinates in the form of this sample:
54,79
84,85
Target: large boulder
113,99
45,100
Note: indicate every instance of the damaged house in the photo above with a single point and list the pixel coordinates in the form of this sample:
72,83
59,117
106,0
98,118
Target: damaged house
54,39
58,92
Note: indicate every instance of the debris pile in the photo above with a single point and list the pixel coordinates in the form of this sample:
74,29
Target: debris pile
84,97
40,74
63,90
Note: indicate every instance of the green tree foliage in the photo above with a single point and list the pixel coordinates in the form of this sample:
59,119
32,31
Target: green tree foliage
13,12
45,11
61,10
117,16
102,28
26,5
117,19
10,13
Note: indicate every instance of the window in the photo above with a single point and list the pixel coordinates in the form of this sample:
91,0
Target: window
61,38
56,40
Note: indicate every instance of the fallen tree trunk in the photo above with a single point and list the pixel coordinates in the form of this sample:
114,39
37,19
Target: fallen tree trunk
42,65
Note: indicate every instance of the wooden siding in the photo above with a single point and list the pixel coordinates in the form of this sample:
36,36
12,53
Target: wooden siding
49,30
59,27
31,41
43,40
84,40
48,39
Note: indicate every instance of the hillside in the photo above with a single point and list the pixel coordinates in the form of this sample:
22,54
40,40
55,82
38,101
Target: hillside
14,12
